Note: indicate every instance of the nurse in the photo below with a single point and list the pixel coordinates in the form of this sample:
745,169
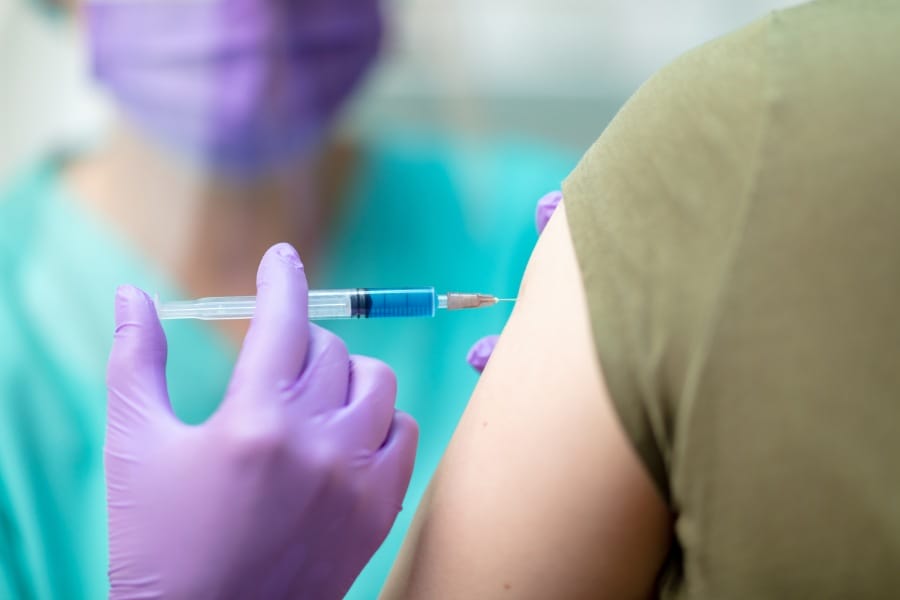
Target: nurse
182,198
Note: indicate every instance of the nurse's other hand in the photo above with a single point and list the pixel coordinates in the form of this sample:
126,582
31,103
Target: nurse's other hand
481,351
285,492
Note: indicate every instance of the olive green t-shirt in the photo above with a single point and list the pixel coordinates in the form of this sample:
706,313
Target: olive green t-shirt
737,228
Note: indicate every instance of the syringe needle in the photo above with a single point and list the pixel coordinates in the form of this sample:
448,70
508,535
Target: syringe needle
457,301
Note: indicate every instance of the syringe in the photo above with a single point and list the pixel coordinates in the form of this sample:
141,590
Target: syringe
360,303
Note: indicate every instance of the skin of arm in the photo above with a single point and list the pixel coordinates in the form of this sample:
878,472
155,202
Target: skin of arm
540,493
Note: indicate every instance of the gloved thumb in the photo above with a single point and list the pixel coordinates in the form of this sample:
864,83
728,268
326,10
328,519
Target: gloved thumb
136,373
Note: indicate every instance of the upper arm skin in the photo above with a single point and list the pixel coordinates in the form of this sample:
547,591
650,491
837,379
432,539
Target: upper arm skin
540,494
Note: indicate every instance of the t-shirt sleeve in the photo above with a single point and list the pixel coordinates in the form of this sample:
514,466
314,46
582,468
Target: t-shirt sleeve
655,208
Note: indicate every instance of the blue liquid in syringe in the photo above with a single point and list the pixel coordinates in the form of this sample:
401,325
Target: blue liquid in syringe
371,303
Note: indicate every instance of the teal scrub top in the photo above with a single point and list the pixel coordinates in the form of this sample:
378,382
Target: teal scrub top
423,209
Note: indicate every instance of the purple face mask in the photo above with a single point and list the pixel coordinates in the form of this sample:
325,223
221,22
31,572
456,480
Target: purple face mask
241,85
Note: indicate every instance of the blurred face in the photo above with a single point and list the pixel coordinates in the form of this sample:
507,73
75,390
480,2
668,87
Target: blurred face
237,84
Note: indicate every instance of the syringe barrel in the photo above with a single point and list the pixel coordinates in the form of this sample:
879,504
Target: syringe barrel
369,303
360,303
372,303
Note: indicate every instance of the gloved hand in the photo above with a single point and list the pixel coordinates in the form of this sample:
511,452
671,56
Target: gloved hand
285,492
481,351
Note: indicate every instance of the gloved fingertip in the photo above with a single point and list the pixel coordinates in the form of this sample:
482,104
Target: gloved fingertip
546,206
274,261
481,351
288,254
408,420
132,304
137,360
402,443
405,423
125,294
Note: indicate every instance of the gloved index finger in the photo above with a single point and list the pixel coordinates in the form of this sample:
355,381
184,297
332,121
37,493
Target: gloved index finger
275,348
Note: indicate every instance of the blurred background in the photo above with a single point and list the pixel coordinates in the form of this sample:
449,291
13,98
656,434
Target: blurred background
476,109
551,70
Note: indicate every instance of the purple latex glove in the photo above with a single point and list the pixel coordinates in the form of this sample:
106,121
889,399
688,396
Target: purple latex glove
480,353
239,84
285,492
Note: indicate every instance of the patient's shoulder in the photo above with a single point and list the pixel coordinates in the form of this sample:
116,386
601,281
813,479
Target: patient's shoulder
539,471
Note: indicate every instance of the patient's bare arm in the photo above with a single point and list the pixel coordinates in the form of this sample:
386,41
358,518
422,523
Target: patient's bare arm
540,494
